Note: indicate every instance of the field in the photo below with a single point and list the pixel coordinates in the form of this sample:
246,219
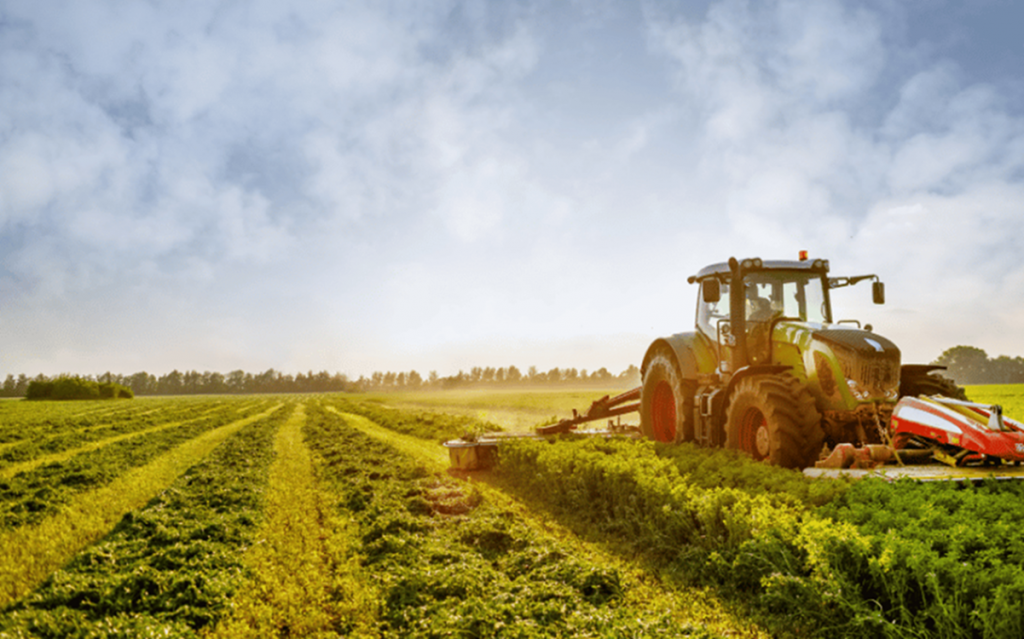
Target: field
335,515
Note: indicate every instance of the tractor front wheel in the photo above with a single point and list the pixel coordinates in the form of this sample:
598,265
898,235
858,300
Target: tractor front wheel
666,402
773,418
914,384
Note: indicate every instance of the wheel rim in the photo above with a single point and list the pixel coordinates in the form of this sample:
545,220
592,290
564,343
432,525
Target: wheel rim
755,438
663,413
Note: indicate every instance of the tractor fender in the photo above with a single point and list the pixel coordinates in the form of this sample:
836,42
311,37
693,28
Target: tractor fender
919,369
692,352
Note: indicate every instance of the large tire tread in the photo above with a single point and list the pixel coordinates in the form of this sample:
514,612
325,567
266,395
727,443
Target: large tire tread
794,421
930,384
662,370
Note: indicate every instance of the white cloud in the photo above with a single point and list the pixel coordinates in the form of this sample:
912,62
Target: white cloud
470,165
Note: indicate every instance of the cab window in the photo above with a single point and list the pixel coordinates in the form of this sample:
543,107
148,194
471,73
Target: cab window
709,314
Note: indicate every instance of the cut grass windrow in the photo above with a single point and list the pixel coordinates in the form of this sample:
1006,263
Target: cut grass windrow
28,554
428,452
48,442
419,423
30,497
64,455
25,421
306,580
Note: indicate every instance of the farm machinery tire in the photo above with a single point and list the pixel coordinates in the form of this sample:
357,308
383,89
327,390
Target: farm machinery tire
666,402
773,418
917,384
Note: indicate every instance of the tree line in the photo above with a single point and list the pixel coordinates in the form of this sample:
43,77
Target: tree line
972,365
273,381
964,364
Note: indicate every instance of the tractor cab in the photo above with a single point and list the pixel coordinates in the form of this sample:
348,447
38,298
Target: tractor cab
740,303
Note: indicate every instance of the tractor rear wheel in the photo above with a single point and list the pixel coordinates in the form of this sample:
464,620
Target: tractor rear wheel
666,402
916,384
773,418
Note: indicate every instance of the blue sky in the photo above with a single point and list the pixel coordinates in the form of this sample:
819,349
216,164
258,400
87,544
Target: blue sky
365,186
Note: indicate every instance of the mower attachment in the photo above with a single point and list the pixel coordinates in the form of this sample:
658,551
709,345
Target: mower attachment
959,432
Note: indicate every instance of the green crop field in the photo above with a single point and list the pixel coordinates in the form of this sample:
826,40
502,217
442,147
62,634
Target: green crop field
336,515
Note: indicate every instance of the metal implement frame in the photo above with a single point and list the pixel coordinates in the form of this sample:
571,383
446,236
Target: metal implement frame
603,408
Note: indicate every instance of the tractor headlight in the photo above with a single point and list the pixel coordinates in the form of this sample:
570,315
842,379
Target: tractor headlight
856,389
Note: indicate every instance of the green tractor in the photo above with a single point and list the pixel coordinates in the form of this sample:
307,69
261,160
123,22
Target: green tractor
769,372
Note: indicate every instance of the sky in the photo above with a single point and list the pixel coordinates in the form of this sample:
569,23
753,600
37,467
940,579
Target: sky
373,185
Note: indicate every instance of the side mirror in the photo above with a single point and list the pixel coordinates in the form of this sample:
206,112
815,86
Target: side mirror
878,292
711,290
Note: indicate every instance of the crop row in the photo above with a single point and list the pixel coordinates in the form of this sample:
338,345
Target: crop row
445,560
170,568
26,422
418,423
51,441
871,559
30,496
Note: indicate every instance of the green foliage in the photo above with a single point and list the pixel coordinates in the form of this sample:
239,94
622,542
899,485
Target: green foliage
68,387
972,365
419,423
169,569
30,496
721,467
53,429
863,560
447,562
944,555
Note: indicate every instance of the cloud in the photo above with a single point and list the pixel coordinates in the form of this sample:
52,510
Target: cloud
797,157
382,179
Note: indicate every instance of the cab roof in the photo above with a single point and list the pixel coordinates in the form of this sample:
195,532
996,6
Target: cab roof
756,264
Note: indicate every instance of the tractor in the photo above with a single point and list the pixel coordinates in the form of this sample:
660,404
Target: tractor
769,372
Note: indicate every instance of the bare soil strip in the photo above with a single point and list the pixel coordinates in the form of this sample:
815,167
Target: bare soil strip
29,554
697,605
305,579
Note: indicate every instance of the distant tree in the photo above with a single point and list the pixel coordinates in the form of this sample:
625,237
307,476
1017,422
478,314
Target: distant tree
74,387
630,376
1006,370
172,383
965,364
213,383
142,383
514,375
235,381
414,380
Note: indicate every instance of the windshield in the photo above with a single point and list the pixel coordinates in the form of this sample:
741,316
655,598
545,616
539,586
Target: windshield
794,294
